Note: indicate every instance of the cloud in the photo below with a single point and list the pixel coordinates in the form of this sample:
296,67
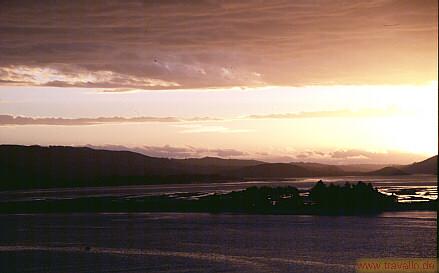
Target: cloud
344,113
203,44
168,151
18,120
195,128
198,128
327,157
68,76
377,157
355,156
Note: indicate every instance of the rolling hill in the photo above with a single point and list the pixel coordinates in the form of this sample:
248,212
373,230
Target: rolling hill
428,166
388,171
61,166
271,170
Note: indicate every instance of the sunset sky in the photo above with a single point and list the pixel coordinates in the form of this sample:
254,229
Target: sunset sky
324,81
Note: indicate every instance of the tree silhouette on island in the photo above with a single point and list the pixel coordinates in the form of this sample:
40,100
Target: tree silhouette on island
332,199
322,199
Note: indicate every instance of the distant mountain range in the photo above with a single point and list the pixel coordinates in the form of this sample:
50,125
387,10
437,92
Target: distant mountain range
60,166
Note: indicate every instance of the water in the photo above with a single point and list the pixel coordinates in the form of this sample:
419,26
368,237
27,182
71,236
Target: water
423,187
193,242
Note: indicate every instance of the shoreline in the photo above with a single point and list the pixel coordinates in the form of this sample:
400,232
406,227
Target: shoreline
161,204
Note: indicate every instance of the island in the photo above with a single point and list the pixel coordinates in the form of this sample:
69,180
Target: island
321,199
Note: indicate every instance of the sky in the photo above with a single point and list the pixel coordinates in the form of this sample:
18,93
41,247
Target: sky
325,81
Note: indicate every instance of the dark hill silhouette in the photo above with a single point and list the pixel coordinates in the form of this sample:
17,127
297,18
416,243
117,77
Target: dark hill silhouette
428,166
66,166
361,167
220,162
60,166
216,165
320,169
271,170
81,161
388,171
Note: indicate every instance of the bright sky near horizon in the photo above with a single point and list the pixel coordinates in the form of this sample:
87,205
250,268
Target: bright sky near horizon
325,81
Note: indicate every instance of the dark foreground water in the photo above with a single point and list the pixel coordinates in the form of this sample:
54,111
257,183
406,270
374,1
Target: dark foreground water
185,242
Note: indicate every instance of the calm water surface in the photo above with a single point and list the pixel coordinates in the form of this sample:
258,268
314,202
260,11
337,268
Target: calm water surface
192,242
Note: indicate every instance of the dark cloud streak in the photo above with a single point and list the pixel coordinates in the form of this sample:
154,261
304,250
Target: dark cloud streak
21,120
344,113
12,120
